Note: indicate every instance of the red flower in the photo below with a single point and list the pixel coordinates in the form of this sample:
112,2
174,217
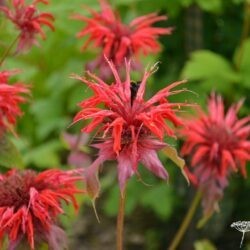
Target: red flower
118,40
10,98
30,204
217,143
131,128
28,21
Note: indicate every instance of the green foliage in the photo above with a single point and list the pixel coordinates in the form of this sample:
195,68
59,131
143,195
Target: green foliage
160,199
204,245
243,56
45,155
140,195
211,70
211,5
9,155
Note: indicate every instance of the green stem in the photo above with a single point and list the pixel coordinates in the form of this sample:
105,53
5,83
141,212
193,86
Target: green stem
120,221
7,51
185,223
244,34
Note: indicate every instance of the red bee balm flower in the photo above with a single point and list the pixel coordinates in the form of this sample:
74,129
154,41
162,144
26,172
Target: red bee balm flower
132,128
27,20
217,143
10,98
30,204
118,40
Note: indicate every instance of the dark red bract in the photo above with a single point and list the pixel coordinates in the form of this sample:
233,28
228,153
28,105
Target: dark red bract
28,21
30,204
217,144
118,40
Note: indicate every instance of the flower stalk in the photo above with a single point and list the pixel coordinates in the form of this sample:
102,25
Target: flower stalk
187,220
120,221
8,50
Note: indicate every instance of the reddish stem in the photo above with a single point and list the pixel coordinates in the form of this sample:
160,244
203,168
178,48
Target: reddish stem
120,221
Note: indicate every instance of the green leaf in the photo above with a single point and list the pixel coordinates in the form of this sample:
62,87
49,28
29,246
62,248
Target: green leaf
204,245
211,69
44,156
49,114
160,199
9,155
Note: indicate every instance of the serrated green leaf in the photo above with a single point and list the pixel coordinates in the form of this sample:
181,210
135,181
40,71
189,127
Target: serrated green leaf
207,64
211,69
9,155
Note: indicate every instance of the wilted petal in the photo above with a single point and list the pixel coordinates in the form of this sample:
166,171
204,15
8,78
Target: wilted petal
91,178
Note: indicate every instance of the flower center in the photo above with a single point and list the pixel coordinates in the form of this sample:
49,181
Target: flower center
222,135
128,136
14,189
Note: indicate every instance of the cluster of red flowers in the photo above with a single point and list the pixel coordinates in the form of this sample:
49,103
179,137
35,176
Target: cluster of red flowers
30,203
130,128
117,40
10,98
218,144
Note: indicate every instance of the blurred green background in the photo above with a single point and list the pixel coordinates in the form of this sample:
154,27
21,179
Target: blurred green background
210,47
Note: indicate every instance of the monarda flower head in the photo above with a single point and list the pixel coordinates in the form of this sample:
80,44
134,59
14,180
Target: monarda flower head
30,204
217,144
11,96
28,21
117,40
131,128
